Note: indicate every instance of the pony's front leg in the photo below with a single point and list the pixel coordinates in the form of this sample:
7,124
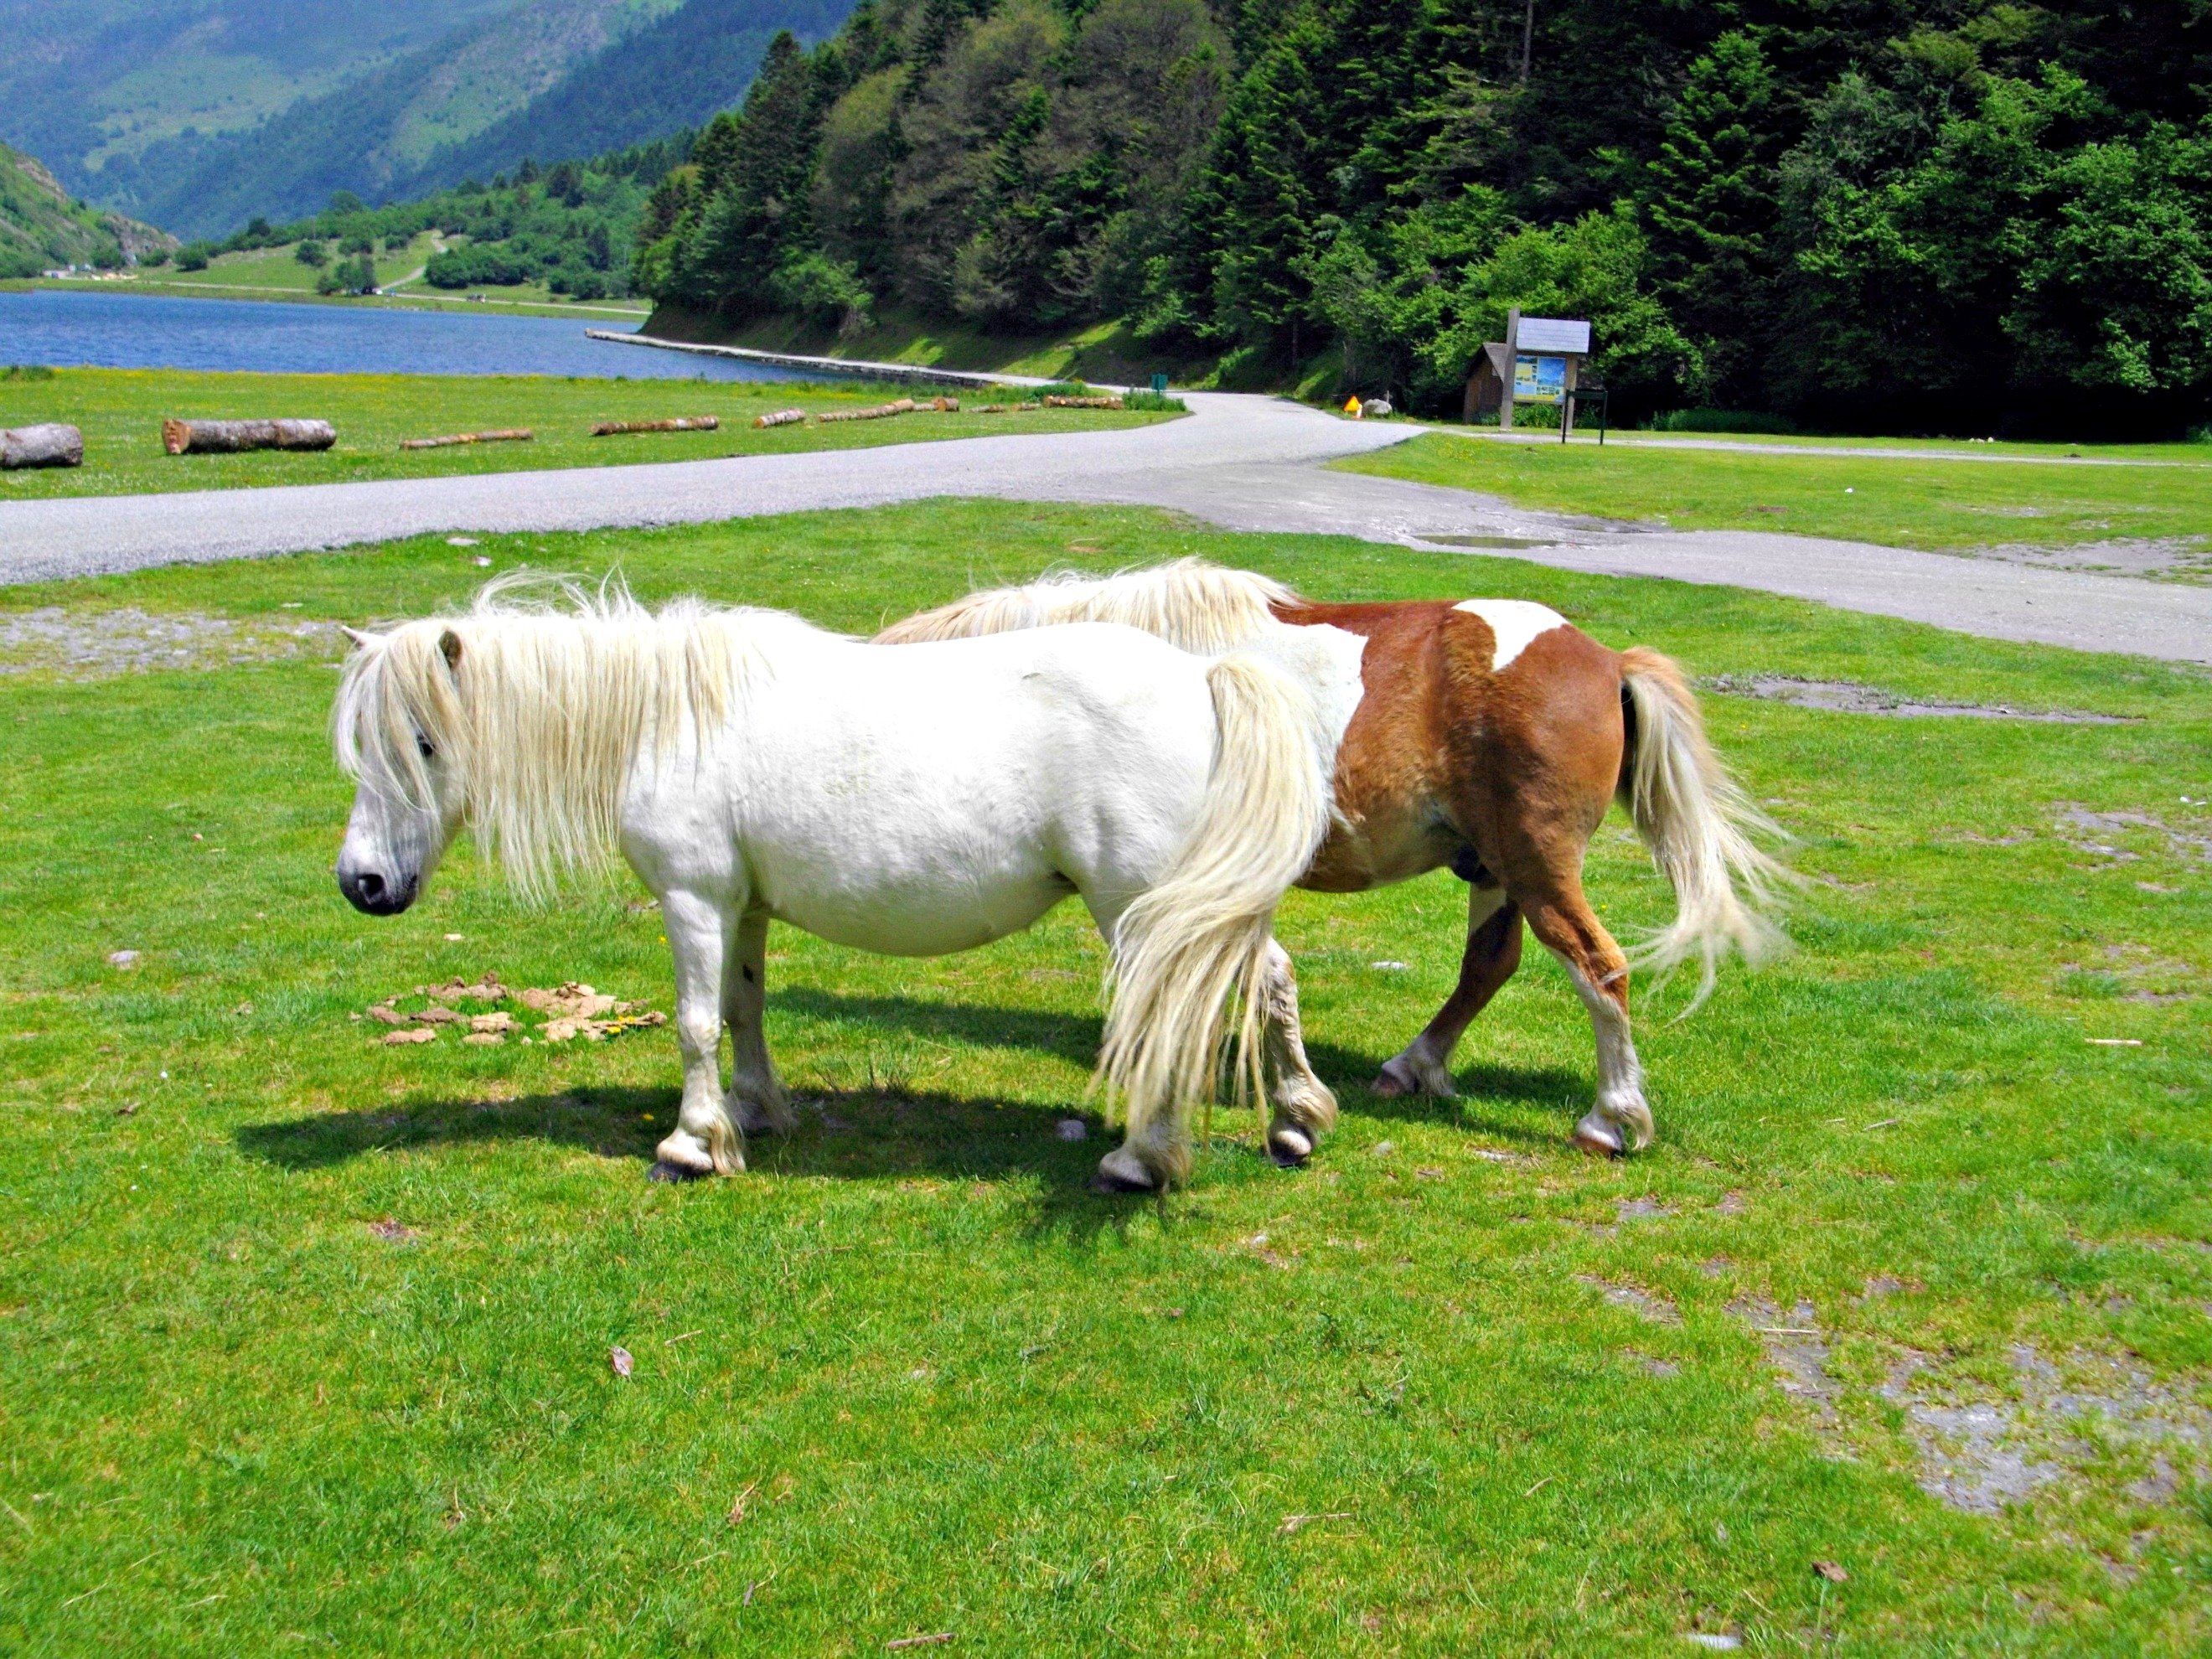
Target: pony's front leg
704,1141
1493,951
1304,1109
756,1100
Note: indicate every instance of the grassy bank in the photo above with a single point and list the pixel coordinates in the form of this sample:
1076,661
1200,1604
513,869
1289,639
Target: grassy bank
1830,490
1103,352
121,412
304,1340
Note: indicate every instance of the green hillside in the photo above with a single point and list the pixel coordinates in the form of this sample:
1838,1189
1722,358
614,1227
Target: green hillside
41,225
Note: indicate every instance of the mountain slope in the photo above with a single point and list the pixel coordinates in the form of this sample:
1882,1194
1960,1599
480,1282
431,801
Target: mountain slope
86,82
40,226
670,76
376,128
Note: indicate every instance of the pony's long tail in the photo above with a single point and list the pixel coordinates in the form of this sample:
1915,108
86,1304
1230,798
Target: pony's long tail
1702,828
1185,944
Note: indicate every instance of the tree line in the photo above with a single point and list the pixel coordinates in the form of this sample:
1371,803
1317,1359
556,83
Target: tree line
1925,214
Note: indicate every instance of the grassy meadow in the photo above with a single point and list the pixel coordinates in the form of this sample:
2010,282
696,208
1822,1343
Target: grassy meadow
1822,490
121,411
1897,1341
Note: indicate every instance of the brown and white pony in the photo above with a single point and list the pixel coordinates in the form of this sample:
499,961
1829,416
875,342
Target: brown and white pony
1489,736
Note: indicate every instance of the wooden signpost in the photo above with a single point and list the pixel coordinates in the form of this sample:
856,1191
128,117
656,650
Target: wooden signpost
1539,361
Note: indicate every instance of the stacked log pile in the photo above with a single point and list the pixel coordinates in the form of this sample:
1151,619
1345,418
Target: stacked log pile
51,444
228,437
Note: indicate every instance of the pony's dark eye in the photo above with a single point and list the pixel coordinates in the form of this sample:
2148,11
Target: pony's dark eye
423,748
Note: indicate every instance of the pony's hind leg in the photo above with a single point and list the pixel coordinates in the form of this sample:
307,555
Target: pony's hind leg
1493,951
704,1141
756,1102
1621,1122
1304,1108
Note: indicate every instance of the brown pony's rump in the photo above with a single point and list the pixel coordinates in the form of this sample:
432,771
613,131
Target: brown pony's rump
1490,737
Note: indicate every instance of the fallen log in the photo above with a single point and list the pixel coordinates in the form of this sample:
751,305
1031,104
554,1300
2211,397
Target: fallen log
51,444
782,417
520,435
1008,409
687,423
227,437
1055,401
946,405
903,406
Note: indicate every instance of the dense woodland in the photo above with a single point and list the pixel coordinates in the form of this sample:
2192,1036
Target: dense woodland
1950,215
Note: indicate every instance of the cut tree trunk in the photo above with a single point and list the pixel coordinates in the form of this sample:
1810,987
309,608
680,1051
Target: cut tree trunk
520,435
1055,401
690,424
881,412
227,437
51,444
782,417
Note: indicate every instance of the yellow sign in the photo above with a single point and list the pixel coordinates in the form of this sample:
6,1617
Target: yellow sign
1352,407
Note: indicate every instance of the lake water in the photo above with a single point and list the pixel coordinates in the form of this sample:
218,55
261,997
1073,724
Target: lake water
72,329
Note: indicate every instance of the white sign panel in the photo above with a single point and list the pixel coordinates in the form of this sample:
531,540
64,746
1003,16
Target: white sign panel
1553,334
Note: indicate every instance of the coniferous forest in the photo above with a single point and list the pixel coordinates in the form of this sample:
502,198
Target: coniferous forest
1906,214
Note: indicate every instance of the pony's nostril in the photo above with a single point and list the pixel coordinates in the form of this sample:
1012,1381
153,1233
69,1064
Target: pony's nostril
370,885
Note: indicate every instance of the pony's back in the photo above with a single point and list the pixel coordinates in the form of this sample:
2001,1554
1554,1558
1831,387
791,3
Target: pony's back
1189,602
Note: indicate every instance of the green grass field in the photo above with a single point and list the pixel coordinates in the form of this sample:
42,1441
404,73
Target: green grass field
1828,490
121,412
304,1340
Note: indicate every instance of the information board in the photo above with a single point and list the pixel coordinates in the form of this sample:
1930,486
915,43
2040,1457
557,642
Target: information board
1553,334
1539,380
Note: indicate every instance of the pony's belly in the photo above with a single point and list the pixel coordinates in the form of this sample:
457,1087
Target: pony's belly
922,919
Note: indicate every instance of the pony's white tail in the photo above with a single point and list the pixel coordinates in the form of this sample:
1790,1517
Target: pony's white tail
1187,944
1699,825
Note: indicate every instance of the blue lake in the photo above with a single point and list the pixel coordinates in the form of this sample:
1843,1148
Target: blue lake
70,329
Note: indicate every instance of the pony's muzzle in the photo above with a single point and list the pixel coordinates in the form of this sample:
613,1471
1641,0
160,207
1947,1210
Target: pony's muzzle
371,894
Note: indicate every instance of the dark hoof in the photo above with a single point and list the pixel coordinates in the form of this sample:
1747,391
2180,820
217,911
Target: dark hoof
1114,1185
665,1170
1290,1149
1390,1086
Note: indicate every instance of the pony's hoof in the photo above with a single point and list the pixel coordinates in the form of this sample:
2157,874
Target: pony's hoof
1402,1076
1598,1138
1288,1146
664,1170
1122,1171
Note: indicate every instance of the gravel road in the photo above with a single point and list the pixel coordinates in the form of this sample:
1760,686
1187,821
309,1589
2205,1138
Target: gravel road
1245,463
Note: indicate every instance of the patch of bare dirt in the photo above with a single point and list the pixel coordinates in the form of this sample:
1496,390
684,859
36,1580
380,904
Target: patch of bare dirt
1657,1308
1797,1349
1850,698
94,645
1980,1456
2098,834
2155,558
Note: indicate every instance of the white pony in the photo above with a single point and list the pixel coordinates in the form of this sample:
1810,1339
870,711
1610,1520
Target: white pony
910,799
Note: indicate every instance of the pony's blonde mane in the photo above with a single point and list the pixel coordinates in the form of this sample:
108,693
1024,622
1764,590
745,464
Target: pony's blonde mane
542,699
1194,606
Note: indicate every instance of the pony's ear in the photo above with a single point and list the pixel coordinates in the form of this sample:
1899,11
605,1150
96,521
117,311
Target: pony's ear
449,647
361,640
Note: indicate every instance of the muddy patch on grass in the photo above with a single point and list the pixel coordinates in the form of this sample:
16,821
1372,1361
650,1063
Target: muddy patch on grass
1797,1349
1979,1455
1850,698
1656,1309
94,645
2100,834
2154,558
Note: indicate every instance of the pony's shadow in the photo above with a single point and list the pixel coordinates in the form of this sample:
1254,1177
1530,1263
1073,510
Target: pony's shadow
1484,1088
848,1135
